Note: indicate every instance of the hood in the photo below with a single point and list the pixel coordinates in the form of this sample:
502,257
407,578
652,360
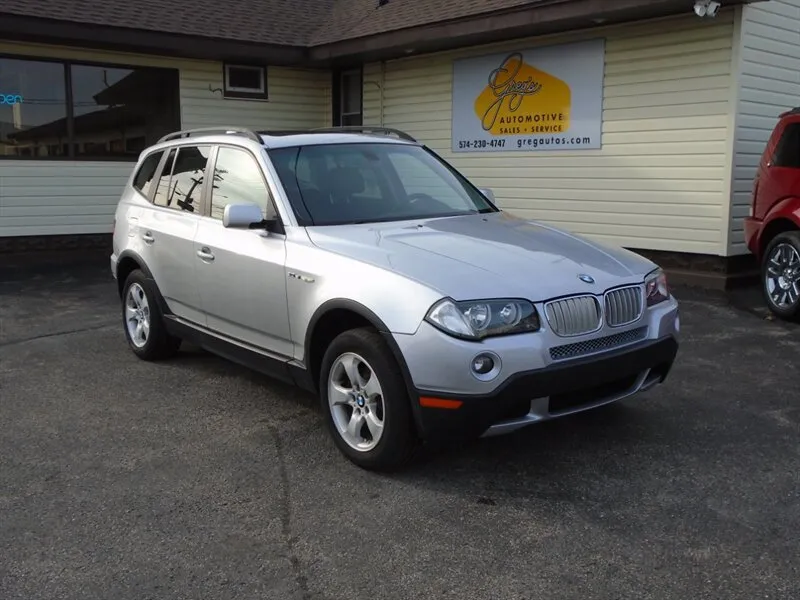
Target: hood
485,256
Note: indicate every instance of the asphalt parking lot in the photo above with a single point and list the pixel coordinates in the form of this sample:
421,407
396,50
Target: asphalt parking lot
197,479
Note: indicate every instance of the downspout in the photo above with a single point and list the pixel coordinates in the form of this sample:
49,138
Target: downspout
383,80
379,85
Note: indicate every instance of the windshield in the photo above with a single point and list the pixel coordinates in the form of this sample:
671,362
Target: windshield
334,184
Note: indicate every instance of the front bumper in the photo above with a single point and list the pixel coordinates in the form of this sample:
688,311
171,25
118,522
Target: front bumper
540,375
556,391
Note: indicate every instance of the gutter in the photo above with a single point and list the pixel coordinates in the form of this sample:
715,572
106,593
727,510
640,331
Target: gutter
553,16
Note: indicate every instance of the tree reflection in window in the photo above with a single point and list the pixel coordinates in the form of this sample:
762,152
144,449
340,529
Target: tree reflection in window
188,175
238,179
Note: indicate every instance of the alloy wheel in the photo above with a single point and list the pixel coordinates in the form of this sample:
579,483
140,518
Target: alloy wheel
355,399
137,315
782,276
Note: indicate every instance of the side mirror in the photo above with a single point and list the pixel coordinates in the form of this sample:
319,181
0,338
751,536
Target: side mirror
488,193
242,216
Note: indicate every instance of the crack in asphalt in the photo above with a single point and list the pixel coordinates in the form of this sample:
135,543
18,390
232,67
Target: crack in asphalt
13,342
286,516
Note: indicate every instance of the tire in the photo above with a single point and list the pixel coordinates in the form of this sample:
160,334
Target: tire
780,275
156,343
394,445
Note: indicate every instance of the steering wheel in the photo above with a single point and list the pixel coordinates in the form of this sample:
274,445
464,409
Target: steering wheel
416,196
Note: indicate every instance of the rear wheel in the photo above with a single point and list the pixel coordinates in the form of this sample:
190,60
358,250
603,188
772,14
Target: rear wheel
365,401
780,275
143,322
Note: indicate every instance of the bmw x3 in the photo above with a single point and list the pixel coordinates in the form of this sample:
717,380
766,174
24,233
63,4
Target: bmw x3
359,265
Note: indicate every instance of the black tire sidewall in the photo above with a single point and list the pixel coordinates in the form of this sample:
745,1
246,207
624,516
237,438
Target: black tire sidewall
159,344
792,238
398,440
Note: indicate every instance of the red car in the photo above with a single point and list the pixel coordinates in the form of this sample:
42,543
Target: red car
772,230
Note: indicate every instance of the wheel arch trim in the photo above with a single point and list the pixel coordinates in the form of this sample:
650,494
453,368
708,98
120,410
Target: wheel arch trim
131,255
362,311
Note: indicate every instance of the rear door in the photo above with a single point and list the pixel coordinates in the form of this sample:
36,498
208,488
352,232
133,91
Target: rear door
168,228
240,272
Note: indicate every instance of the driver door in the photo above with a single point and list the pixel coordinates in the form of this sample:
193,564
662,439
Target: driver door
240,272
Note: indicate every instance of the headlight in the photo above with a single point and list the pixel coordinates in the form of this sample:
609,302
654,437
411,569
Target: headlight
656,288
479,319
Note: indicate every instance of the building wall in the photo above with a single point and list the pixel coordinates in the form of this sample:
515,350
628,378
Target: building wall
75,197
769,76
661,180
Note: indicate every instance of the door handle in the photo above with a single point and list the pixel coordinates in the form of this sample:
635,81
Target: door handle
148,237
205,254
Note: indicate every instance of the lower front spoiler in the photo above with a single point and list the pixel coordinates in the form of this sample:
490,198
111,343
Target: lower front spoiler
556,391
541,411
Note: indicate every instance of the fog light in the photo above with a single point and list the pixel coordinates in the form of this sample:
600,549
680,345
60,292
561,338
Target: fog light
485,366
482,364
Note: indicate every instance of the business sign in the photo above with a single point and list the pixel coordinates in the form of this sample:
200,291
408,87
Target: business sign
547,98
10,99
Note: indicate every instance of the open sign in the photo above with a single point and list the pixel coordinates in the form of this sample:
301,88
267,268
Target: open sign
10,99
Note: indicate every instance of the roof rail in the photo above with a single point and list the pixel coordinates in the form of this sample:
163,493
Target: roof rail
366,129
280,132
791,111
212,131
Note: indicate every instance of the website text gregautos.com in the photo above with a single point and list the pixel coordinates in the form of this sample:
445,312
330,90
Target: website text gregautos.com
553,141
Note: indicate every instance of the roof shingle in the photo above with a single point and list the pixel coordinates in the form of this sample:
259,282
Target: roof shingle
282,22
358,18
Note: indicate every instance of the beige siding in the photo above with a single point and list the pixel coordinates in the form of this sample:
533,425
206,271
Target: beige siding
769,83
40,197
660,180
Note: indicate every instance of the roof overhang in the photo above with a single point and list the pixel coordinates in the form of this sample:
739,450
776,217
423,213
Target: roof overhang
544,17
67,33
547,17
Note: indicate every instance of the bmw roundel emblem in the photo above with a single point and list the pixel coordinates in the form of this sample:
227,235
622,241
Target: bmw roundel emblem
586,278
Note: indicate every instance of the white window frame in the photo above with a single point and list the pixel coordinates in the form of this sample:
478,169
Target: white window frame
342,92
244,93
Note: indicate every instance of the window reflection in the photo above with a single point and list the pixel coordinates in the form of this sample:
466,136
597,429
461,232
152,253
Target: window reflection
181,183
33,109
115,112
237,179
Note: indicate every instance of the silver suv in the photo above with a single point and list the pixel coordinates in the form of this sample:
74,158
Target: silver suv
358,264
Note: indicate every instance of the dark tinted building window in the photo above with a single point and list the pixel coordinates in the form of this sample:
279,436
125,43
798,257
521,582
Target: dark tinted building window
245,81
33,109
347,100
787,154
146,172
115,111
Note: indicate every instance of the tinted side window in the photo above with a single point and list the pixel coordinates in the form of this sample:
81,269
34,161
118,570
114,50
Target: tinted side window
147,171
787,154
182,191
237,179
163,186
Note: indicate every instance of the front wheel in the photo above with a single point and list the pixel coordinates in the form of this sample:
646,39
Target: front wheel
365,401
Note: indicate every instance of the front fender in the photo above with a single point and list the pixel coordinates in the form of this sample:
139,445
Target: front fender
316,278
